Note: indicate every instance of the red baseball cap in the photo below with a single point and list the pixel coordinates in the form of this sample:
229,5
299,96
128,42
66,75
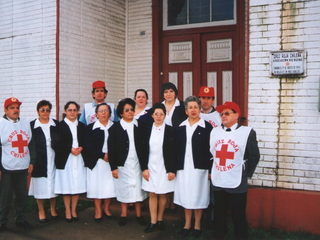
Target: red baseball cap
98,84
230,105
11,100
206,92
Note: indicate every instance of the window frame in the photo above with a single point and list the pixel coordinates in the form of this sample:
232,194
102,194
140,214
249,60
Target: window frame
196,25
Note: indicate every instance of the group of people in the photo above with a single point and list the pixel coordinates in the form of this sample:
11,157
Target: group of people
130,152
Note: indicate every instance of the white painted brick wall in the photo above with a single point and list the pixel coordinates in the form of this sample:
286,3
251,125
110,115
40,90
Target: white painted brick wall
139,48
27,68
284,112
92,47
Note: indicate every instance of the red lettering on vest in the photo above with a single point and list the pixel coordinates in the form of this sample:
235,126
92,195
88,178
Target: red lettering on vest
223,155
20,143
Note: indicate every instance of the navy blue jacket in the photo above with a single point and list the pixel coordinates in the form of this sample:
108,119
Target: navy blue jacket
200,147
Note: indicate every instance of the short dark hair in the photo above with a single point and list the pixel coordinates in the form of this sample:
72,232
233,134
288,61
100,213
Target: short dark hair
71,102
43,103
156,106
103,104
104,89
167,86
140,90
123,102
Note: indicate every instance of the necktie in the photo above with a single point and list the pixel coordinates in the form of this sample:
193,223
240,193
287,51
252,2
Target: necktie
228,130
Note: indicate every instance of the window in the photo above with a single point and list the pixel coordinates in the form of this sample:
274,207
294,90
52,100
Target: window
198,13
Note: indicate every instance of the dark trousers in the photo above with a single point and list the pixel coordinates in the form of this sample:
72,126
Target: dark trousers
13,183
236,202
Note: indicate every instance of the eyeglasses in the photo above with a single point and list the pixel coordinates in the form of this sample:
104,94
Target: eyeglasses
103,111
128,109
44,110
72,110
225,113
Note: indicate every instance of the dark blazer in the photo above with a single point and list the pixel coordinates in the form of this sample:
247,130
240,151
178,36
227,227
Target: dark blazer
168,148
118,144
178,116
64,144
94,143
200,147
39,156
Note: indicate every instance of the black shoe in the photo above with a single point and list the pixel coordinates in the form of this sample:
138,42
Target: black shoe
161,226
69,220
75,219
122,221
43,220
196,233
24,225
150,227
98,220
55,217
141,221
184,232
110,217
3,227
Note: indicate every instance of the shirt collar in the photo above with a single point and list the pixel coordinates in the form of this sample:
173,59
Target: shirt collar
200,123
98,124
38,123
71,123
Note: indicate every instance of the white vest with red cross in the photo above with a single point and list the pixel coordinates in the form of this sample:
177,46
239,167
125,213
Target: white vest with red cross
15,138
228,149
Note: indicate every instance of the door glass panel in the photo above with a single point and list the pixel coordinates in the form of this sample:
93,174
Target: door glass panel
177,12
199,11
222,10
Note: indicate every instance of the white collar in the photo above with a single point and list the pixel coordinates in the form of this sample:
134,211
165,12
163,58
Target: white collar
176,102
71,123
124,123
200,123
38,123
98,124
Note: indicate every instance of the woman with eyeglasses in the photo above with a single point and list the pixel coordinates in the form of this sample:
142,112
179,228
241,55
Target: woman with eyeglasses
44,133
100,183
158,165
193,164
71,171
124,152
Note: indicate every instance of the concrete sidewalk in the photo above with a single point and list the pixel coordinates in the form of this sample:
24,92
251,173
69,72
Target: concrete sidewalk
86,228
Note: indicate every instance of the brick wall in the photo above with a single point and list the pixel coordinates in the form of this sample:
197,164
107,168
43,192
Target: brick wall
284,111
139,47
27,50
92,47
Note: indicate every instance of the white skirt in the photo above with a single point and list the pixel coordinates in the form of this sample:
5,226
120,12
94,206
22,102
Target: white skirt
100,183
192,188
158,177
73,178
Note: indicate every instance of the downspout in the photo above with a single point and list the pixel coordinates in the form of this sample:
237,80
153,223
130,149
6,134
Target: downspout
126,51
57,58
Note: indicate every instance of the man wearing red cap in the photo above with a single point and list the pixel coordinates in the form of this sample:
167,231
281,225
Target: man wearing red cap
15,144
236,155
99,93
208,112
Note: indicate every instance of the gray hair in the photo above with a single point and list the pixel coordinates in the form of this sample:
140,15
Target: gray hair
192,99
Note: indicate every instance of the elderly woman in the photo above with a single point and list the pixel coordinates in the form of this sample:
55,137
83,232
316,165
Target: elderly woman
158,165
71,172
42,182
124,153
141,99
100,184
192,185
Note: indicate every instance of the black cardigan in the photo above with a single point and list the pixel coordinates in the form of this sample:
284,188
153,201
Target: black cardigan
168,148
200,147
64,144
94,144
39,156
118,144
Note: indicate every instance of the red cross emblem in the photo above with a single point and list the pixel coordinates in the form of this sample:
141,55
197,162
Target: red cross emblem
223,155
20,143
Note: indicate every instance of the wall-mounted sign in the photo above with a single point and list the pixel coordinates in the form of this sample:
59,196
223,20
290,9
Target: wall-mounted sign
287,63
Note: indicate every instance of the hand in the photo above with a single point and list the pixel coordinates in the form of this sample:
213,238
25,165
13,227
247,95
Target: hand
30,169
145,174
106,157
171,176
76,151
0,175
115,173
209,176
